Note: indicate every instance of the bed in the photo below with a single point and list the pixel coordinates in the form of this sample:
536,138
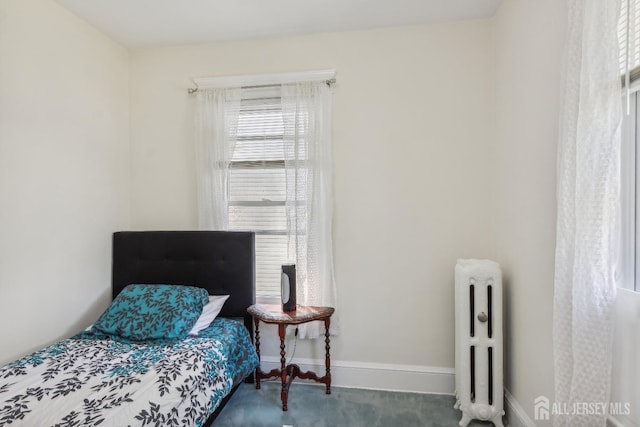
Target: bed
140,364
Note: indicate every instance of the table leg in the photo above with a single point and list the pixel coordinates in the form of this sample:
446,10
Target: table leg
284,394
256,322
327,359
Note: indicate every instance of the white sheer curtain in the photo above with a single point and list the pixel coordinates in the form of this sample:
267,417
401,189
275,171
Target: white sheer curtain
217,115
306,110
306,117
588,207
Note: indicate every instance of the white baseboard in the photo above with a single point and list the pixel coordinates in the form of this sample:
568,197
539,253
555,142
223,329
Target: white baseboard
378,376
515,415
620,421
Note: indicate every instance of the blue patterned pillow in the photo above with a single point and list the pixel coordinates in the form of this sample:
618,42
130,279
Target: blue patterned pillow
146,312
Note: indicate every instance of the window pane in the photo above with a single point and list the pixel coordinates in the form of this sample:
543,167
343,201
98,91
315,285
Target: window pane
633,15
260,131
258,218
256,184
271,253
255,149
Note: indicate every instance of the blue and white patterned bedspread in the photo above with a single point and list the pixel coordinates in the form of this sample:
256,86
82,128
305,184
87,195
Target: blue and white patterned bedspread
91,379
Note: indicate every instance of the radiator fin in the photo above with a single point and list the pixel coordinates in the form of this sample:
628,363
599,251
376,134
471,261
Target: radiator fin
489,312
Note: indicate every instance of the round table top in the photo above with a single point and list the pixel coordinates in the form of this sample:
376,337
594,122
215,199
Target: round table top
272,313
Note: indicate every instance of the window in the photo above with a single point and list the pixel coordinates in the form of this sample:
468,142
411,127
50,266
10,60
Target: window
257,185
629,37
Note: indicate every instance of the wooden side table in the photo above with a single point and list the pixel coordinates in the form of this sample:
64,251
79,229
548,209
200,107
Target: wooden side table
272,313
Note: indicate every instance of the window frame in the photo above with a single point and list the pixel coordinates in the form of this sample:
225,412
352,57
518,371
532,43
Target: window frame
249,94
629,257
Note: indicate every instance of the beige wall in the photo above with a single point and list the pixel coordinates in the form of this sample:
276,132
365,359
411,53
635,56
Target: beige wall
64,171
529,39
413,119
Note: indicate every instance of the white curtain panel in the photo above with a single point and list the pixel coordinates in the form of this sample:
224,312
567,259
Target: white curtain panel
306,110
588,207
217,114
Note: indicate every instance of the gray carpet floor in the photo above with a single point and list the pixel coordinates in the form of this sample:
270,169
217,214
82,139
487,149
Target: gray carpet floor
309,406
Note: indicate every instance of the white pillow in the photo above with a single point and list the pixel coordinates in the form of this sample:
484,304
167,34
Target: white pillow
209,313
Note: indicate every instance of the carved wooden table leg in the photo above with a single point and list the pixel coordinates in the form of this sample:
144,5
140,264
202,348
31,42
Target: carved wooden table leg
284,394
327,360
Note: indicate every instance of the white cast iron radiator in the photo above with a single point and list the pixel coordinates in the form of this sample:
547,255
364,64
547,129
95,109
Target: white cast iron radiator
478,298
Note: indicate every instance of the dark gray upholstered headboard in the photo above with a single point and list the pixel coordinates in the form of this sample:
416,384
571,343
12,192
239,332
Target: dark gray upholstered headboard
223,262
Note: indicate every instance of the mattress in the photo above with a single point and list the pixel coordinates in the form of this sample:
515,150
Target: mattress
94,379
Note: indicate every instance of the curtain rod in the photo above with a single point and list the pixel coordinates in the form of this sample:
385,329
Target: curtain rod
264,80
193,90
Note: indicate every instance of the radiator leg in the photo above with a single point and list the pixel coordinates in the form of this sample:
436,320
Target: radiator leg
497,420
465,420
